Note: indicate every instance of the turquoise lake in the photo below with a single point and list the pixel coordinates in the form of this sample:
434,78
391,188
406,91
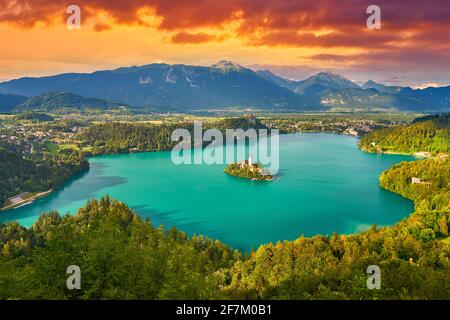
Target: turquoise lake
326,185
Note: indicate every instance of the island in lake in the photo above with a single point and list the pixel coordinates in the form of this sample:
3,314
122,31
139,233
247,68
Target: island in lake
249,170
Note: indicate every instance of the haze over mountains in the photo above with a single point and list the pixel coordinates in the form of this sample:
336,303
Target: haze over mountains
223,85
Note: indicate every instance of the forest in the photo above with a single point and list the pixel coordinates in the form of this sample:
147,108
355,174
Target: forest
427,134
122,256
117,137
37,172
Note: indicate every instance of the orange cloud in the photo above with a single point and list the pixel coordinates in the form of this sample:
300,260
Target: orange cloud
100,27
184,37
257,31
274,22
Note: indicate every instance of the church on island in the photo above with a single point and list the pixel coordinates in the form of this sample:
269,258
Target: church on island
253,166
250,164
248,169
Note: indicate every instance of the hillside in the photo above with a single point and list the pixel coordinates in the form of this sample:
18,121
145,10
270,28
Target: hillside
282,82
14,172
9,101
57,101
442,120
121,257
361,99
430,134
38,173
326,80
432,97
34,116
124,257
116,137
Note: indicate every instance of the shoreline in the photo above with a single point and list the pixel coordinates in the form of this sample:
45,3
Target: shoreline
38,195
45,193
26,201
392,152
419,155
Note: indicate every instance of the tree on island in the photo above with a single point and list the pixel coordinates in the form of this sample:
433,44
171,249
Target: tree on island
248,169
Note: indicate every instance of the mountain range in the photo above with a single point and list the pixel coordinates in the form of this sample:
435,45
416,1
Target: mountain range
223,85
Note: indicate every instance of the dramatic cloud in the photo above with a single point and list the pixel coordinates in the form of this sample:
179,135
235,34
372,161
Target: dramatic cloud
322,31
99,27
184,37
322,23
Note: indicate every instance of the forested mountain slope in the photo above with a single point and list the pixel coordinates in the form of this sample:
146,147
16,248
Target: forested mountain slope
60,101
36,173
431,134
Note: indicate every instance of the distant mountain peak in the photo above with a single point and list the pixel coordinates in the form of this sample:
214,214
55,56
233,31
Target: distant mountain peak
381,87
326,80
226,65
267,72
334,78
369,83
282,82
328,74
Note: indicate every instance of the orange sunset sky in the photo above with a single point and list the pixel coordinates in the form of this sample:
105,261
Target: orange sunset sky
293,38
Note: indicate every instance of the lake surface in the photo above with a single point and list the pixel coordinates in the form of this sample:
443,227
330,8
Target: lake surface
326,184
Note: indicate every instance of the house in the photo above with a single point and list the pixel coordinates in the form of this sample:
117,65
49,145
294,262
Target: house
351,132
416,180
